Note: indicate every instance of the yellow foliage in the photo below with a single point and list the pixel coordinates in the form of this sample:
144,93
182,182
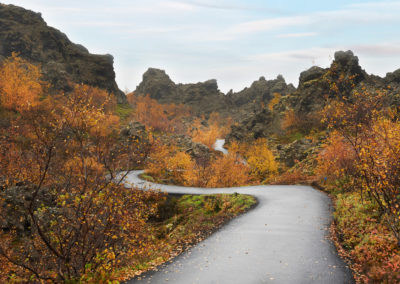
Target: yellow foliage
180,166
20,84
365,148
275,100
261,160
168,163
157,164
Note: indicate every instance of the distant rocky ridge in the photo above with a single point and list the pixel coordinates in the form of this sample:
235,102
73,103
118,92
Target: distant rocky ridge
26,33
313,93
249,105
205,97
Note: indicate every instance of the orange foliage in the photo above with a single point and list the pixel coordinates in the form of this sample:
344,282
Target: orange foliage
290,121
61,160
200,174
162,117
304,123
372,134
203,134
293,176
336,160
207,132
20,84
229,170
94,97
168,164
224,124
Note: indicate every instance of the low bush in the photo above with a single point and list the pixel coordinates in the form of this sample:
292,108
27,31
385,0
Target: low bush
371,246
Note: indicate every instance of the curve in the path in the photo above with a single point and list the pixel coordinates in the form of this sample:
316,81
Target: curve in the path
284,239
219,146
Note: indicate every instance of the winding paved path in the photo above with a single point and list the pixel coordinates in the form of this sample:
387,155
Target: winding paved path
284,239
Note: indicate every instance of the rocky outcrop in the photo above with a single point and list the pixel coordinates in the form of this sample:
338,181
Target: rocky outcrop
205,97
26,33
307,100
391,83
134,130
158,85
202,97
16,200
261,91
314,87
314,73
347,65
197,151
297,151
393,77
254,126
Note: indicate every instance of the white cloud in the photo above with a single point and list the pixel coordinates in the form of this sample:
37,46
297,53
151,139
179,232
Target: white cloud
352,15
269,24
226,5
378,50
308,54
296,35
134,31
380,4
176,6
100,24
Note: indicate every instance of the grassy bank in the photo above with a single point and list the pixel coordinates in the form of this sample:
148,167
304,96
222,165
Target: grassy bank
366,241
362,237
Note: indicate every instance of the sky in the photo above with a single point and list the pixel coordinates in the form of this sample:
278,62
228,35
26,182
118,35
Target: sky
233,41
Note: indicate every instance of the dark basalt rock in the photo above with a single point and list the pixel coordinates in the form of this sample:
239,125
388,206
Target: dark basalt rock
312,94
313,73
257,125
205,97
202,97
26,33
393,77
158,85
314,88
294,152
134,130
347,63
260,91
17,199
196,150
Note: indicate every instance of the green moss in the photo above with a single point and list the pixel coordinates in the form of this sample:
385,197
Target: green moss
147,177
290,137
123,111
311,82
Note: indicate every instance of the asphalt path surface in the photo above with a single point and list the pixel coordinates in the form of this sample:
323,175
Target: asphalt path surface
284,239
219,146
